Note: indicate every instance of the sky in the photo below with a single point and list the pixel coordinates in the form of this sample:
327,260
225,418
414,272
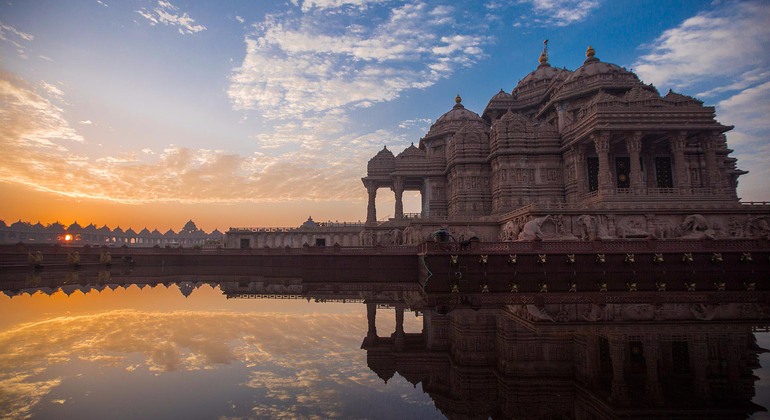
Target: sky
254,113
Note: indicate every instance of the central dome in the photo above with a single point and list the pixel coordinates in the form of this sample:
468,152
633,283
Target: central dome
593,66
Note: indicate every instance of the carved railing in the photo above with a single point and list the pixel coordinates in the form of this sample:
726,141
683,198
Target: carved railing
662,191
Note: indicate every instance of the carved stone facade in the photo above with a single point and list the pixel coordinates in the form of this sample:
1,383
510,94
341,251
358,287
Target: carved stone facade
592,153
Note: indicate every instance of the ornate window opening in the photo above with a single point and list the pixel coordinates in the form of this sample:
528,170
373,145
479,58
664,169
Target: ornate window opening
663,175
593,173
623,172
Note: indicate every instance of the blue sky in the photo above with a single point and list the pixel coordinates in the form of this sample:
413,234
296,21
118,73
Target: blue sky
258,113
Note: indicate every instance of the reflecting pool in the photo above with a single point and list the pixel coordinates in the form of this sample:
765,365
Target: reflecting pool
112,345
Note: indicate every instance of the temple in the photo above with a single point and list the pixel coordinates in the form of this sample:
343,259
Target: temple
568,155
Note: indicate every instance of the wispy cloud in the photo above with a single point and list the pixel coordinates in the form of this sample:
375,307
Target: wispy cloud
748,111
334,4
729,42
310,371
167,14
16,38
312,63
37,133
548,13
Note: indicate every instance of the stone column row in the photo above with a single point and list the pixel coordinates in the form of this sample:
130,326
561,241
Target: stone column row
633,141
371,209
399,336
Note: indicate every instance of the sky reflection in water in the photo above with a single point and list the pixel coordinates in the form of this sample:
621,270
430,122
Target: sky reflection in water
152,353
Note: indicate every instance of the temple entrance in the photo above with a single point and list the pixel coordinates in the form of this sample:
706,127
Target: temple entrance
245,243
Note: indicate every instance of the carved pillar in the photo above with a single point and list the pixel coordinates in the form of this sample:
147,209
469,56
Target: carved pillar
371,318
618,355
371,208
678,144
709,145
634,146
651,360
399,337
579,156
602,145
398,188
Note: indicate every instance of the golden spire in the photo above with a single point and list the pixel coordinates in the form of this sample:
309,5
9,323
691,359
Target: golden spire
458,99
544,55
590,52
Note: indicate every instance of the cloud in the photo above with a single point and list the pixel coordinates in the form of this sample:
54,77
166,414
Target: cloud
728,42
15,37
298,66
6,29
421,123
548,13
36,132
168,14
30,120
748,111
309,371
308,5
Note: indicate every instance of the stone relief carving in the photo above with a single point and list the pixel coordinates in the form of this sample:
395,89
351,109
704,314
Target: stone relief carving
586,227
510,231
757,227
696,226
532,230
632,228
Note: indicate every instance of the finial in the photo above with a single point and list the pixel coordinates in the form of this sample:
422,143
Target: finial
590,52
458,99
544,55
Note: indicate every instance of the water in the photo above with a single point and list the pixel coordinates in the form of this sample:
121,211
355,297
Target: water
153,353
181,349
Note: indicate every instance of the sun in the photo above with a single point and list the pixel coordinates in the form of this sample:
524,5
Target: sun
68,237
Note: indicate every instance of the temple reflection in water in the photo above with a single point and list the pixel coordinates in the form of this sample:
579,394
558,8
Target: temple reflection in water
578,360
556,355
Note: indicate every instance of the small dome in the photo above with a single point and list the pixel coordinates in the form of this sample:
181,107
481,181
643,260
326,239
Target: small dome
502,96
498,104
309,223
411,152
458,113
382,164
383,154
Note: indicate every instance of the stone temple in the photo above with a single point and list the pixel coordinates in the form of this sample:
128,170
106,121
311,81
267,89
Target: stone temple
568,155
